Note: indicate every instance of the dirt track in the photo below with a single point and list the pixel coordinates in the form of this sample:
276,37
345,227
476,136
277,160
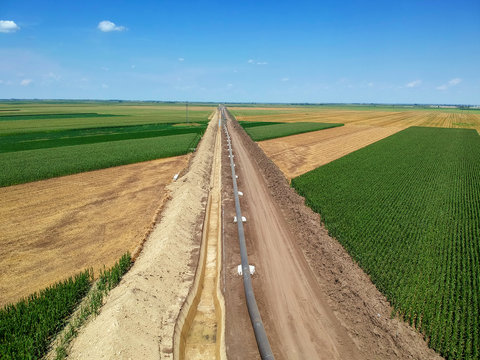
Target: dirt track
324,308
54,228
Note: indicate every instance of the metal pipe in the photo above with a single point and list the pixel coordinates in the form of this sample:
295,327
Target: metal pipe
258,328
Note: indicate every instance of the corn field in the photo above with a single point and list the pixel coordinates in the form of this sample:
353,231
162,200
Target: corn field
407,209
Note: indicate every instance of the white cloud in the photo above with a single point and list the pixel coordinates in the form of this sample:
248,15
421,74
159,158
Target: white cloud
455,81
26,82
108,26
370,84
284,79
8,26
181,59
53,76
450,83
251,61
414,83
229,85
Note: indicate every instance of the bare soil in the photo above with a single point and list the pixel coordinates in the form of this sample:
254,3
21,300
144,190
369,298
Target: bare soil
138,318
298,154
316,303
52,229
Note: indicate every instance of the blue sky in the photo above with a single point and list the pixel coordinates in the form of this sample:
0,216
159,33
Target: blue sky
248,51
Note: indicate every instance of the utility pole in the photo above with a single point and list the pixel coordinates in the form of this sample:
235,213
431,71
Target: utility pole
186,112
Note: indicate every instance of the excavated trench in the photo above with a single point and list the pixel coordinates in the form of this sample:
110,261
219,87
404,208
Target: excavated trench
201,324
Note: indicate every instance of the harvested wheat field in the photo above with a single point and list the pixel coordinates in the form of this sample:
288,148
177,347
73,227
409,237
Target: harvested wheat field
403,118
52,229
298,154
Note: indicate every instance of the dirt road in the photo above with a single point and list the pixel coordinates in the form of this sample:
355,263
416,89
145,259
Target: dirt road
304,326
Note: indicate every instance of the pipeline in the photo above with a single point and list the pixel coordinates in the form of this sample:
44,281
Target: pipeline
258,328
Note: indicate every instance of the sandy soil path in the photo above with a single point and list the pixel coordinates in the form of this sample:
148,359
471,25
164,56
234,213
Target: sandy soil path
138,318
54,228
304,325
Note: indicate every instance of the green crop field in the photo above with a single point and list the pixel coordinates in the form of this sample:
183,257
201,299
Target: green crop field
259,131
31,165
51,139
40,140
42,116
28,327
407,208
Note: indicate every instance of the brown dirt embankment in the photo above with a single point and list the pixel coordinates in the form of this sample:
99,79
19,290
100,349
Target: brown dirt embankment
54,228
137,321
346,292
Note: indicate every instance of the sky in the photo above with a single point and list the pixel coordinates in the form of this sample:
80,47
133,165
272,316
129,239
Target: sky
409,51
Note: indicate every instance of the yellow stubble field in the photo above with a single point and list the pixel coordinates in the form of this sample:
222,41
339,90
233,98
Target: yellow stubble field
298,154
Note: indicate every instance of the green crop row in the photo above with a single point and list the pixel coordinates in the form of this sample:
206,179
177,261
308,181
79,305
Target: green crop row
31,165
407,208
274,130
